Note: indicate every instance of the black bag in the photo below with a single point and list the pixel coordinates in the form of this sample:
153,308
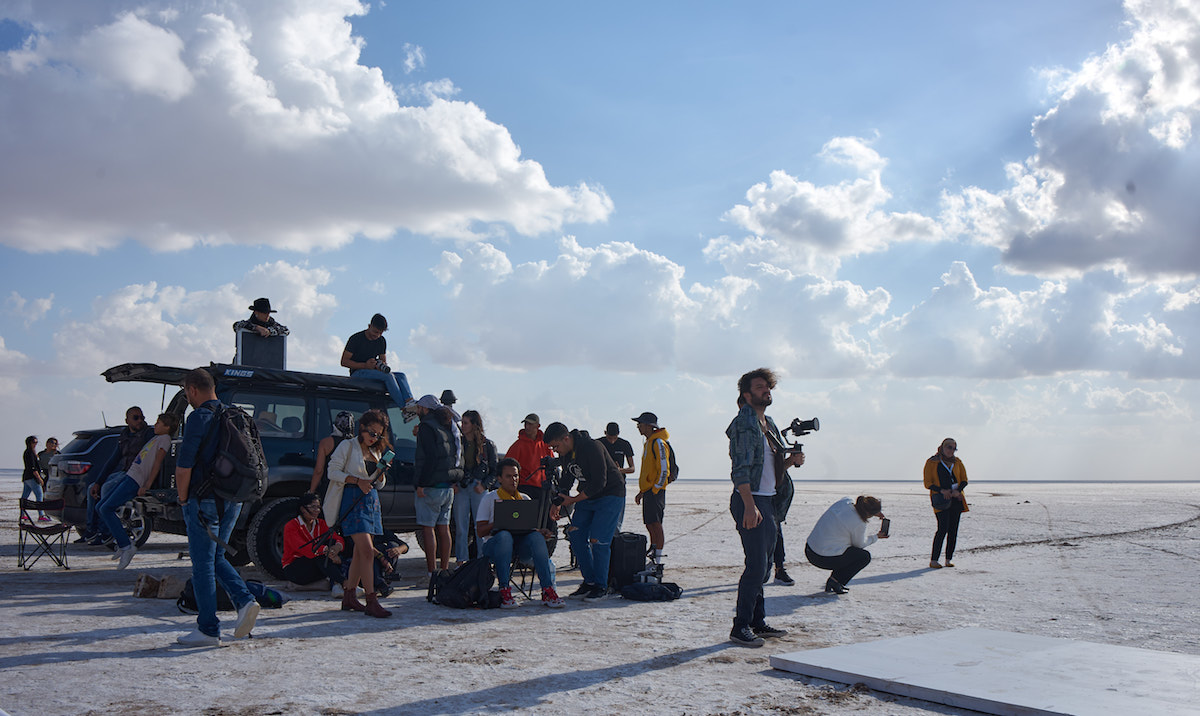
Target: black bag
672,466
628,558
238,470
187,600
465,587
651,591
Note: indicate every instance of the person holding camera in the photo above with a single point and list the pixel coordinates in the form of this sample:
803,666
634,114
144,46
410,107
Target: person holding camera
600,494
310,550
366,357
357,467
945,478
839,540
759,471
479,473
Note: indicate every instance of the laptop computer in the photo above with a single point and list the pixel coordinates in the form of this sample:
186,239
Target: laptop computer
516,516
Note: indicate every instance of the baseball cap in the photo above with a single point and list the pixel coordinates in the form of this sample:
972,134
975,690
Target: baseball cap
648,418
532,418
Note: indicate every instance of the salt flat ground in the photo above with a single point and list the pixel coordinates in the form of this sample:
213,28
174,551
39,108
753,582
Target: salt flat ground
1109,563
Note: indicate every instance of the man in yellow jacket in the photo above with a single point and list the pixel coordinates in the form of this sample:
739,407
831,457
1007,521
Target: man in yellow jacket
652,482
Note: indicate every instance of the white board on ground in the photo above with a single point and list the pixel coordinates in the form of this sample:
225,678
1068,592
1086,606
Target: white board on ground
1004,673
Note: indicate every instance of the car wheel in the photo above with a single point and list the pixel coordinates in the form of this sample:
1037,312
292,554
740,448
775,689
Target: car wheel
264,538
137,523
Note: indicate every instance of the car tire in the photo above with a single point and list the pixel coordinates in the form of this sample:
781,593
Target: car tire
137,523
264,538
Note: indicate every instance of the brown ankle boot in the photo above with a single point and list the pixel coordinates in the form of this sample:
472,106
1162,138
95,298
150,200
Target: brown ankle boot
374,609
350,603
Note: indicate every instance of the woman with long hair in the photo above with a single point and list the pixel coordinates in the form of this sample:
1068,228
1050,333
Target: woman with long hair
359,466
479,472
32,480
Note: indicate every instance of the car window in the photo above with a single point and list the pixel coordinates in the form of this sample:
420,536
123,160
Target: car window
276,415
403,442
329,409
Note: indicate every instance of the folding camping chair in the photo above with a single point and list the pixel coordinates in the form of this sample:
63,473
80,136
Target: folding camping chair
35,541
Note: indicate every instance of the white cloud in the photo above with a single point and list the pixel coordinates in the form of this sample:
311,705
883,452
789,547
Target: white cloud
837,220
1111,183
29,310
218,122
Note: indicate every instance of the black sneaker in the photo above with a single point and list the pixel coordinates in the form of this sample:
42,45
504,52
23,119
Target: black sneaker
833,586
83,538
767,631
583,590
745,636
782,577
95,540
598,594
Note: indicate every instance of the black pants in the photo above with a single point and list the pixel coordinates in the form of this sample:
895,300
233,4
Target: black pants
758,545
303,570
947,521
780,555
844,566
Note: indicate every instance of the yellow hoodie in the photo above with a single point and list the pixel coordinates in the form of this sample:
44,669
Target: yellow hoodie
656,462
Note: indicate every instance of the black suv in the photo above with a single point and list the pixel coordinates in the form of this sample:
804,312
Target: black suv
293,411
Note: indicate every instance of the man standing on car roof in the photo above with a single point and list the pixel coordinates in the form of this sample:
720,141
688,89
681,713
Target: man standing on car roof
366,357
759,468
206,521
261,321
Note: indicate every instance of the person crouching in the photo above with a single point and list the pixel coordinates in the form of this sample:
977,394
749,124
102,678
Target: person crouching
839,540
308,555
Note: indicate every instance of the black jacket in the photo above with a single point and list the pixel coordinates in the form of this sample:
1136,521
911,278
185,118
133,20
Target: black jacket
436,462
591,469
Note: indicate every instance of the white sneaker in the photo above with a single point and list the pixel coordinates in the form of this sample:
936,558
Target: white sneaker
336,592
245,621
124,555
198,638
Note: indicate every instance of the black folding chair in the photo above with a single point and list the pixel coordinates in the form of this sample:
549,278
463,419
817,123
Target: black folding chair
35,540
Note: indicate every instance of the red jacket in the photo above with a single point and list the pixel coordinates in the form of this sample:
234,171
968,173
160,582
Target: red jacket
529,453
297,540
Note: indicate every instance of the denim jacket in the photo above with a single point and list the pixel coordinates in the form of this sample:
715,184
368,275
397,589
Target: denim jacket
746,448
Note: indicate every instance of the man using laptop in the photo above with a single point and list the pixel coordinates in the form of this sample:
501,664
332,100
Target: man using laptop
498,544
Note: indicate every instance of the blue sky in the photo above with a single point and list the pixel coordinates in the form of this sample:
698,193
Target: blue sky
949,219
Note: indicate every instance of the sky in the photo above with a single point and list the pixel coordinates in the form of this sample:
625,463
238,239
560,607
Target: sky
974,220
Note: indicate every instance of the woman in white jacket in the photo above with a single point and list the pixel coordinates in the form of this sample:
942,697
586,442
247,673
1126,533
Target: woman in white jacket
839,540
355,469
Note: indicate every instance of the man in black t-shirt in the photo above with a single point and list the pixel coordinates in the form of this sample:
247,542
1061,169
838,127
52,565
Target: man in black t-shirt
366,357
622,455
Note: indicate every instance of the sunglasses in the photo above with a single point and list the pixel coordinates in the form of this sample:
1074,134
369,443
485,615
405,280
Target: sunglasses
373,434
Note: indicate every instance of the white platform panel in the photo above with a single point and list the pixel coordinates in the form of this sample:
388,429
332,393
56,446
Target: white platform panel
1003,673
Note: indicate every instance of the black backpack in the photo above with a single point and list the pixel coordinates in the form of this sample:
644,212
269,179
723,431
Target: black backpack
465,587
672,466
238,470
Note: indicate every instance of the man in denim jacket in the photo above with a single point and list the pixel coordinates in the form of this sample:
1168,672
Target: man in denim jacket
759,470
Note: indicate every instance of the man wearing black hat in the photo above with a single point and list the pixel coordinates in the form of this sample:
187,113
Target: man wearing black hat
622,453
652,482
261,321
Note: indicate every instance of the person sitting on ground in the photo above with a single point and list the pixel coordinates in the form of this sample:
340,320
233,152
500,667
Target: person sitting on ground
261,321
343,429
839,540
32,481
358,466
436,469
499,546
136,481
130,442
366,357
308,555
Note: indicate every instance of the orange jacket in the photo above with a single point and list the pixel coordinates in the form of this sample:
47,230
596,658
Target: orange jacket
529,452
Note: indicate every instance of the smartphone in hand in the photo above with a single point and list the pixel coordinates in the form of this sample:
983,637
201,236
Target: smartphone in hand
885,526
387,457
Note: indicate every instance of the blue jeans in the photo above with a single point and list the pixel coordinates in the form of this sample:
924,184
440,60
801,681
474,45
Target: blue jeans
530,546
595,521
758,545
208,561
94,524
466,507
124,489
32,488
396,387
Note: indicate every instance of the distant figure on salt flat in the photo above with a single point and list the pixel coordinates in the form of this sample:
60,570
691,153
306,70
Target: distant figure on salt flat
945,478
839,540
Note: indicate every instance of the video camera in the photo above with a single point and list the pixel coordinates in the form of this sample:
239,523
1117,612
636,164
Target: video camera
798,428
550,466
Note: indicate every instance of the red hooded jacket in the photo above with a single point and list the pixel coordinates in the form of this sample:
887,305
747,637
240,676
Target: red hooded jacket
529,452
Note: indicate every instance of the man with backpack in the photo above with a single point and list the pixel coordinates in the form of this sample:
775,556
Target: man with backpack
208,521
658,470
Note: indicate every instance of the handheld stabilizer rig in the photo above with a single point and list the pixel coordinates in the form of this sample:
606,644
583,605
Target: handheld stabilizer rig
798,428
